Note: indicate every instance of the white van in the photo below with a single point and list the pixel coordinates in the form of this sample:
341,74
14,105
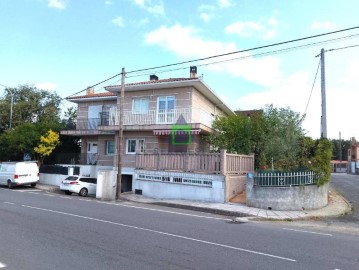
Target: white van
19,173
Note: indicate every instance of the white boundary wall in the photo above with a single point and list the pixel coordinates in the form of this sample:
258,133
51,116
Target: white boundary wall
180,186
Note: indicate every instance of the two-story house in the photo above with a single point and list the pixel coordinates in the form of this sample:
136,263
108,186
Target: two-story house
162,120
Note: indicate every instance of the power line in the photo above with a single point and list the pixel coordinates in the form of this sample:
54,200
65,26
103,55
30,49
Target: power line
256,55
306,107
342,48
246,50
226,54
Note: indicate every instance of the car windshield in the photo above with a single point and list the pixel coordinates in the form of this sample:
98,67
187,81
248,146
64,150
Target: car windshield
71,178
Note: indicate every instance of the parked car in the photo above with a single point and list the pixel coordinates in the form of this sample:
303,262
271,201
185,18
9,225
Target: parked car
81,185
19,173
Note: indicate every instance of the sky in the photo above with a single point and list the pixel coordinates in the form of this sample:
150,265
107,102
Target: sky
68,45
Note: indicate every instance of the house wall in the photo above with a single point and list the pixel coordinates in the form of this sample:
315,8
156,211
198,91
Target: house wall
182,96
179,191
83,107
200,104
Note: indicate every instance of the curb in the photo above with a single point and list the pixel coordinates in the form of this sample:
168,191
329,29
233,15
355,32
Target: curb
203,209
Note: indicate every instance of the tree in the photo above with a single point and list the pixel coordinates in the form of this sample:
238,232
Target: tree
29,105
47,144
273,135
282,138
345,146
22,139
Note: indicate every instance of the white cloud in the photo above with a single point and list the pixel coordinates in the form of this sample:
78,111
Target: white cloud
205,16
323,26
185,42
266,30
243,28
109,2
206,12
58,4
46,86
225,3
118,21
294,92
154,7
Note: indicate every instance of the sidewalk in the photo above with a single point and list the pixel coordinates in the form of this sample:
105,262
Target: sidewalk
337,206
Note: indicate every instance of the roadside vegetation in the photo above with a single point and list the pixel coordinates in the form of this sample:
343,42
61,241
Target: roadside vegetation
276,138
30,122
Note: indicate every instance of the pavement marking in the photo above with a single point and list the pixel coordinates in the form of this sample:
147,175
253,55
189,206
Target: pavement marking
2,265
327,234
86,200
162,233
49,195
8,202
172,212
66,197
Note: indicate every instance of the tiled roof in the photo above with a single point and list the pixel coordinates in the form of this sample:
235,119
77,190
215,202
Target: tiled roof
110,94
156,82
103,94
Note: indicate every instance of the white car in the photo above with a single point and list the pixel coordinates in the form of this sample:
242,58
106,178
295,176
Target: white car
81,185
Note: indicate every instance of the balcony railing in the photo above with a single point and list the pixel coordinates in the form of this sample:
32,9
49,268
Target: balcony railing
217,163
151,117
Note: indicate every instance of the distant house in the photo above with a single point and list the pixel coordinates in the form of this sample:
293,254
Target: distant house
164,124
353,156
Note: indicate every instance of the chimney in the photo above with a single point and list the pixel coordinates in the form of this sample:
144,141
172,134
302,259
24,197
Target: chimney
193,72
90,91
153,78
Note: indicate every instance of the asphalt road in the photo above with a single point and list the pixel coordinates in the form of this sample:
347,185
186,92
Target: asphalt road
348,185
39,230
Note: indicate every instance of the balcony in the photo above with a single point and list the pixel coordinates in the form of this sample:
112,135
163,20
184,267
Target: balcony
215,163
109,120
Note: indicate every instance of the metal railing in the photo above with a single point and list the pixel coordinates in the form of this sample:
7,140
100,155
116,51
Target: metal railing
286,179
151,117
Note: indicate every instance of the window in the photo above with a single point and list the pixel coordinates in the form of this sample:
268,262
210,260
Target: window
166,106
140,105
110,147
135,145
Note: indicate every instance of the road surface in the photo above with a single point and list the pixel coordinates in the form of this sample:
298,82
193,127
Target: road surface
53,231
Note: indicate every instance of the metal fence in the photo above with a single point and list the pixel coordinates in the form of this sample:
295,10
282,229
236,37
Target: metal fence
280,179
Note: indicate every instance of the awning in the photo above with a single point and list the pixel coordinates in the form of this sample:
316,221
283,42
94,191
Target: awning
176,132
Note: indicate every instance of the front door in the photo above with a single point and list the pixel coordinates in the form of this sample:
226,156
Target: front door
91,153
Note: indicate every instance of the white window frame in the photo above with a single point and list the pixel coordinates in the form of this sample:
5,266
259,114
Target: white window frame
163,117
107,146
139,146
142,109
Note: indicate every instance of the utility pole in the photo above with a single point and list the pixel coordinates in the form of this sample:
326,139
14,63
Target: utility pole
119,143
340,149
324,103
11,105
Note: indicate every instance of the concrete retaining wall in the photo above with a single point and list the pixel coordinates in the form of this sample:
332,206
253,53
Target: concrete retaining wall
287,198
106,185
178,191
235,184
51,179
